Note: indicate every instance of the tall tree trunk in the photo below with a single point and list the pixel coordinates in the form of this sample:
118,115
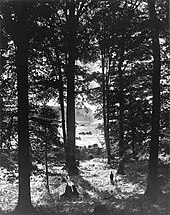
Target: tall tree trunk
61,97
72,30
46,159
132,126
24,205
133,138
56,65
121,113
107,113
105,106
153,188
0,110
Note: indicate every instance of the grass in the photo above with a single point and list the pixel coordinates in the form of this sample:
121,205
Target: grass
125,196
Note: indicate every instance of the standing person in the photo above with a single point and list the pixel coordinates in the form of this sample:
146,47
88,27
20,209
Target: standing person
111,177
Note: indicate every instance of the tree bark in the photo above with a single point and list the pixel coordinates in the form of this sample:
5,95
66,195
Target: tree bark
153,188
61,92
24,205
107,114
46,159
105,86
61,98
132,126
72,30
121,112
0,109
105,107
56,65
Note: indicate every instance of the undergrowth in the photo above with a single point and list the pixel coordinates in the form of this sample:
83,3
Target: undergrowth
125,196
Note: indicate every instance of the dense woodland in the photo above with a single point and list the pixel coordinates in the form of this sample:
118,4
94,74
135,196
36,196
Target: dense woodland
53,51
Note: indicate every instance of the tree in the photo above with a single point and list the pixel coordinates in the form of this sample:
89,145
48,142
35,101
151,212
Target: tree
74,11
24,200
153,188
21,39
45,129
67,43
102,31
122,35
72,32
105,79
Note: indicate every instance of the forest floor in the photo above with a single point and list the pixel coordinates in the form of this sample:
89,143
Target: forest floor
124,197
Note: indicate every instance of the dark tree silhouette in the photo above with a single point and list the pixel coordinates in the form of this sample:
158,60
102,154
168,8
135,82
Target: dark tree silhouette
72,31
153,188
19,30
121,112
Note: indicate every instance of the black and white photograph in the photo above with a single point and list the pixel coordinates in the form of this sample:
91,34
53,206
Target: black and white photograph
84,107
